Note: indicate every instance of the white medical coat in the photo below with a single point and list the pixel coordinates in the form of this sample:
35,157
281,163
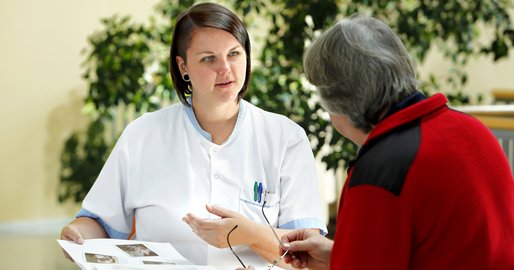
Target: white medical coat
165,166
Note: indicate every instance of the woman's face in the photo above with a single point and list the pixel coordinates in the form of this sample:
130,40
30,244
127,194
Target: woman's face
344,126
216,65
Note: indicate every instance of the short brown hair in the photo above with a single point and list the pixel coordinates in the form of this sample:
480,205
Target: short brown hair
198,16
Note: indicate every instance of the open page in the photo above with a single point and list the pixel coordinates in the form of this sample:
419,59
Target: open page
116,254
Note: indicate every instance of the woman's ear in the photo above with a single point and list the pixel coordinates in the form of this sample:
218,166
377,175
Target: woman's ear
181,65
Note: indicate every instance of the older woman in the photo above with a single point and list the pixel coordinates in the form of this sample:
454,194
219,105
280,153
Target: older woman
211,149
430,187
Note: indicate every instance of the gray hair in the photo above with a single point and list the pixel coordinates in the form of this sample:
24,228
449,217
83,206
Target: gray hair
360,69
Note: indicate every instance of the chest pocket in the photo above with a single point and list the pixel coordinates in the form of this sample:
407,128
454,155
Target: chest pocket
253,209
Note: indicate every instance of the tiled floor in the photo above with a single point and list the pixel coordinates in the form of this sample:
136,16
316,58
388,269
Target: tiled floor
38,252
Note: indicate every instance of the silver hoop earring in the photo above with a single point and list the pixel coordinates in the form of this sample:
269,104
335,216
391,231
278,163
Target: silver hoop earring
185,77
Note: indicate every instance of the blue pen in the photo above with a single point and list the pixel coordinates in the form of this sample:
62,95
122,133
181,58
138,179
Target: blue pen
260,192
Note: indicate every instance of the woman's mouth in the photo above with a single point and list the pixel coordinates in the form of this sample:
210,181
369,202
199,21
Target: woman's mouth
225,84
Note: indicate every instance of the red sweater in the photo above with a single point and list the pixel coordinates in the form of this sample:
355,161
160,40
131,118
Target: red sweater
430,189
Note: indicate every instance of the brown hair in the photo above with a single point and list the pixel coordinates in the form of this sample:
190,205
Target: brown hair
204,15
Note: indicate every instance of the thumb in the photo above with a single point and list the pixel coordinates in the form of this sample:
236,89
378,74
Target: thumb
73,234
297,246
220,211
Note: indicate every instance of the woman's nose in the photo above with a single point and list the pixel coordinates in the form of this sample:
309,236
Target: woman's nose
223,67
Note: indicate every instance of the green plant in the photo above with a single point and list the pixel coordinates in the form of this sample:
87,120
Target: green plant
127,72
125,68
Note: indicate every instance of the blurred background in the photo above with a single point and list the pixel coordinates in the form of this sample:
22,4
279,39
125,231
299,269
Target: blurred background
73,73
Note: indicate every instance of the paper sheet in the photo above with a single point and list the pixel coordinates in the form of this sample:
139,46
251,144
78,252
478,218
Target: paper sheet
116,254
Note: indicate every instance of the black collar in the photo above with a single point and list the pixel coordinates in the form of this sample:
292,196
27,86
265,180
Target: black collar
410,100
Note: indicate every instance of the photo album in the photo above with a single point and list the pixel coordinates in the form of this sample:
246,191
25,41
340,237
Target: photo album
116,254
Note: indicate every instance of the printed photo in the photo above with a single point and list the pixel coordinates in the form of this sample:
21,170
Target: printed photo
100,258
137,250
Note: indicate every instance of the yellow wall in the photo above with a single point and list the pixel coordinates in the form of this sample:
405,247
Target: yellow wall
483,73
41,93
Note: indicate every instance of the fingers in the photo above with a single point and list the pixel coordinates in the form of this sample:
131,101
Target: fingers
307,248
197,223
301,245
227,218
214,232
300,240
193,222
300,262
292,236
297,260
220,211
202,227
70,232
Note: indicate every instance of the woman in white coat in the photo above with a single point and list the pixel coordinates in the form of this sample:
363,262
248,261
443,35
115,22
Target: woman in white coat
189,173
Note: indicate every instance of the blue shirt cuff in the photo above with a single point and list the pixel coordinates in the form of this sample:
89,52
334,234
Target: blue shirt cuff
307,223
110,231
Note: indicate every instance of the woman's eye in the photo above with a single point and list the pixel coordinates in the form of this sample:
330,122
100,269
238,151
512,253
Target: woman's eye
234,53
209,58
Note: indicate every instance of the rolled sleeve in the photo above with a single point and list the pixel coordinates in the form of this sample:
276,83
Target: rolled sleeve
110,231
314,223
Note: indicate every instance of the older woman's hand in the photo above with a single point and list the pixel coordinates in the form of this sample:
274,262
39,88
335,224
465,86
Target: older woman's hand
307,249
215,231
